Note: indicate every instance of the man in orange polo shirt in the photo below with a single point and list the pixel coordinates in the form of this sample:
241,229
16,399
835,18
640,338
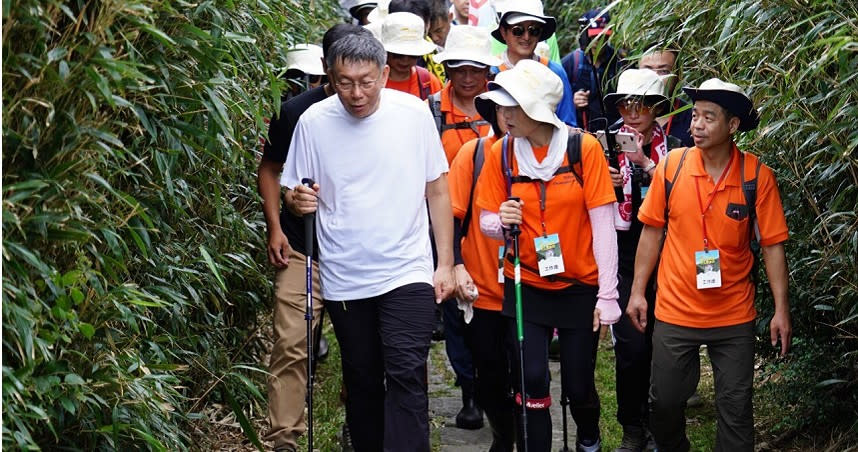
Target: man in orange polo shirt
705,289
402,35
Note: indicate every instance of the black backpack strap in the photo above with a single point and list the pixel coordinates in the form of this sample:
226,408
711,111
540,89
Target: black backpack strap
749,189
479,159
573,153
439,116
472,125
668,184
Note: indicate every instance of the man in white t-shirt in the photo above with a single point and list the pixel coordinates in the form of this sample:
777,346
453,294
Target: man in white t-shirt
377,159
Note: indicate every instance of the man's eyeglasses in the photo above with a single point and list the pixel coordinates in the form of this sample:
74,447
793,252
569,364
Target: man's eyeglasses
349,86
628,106
532,30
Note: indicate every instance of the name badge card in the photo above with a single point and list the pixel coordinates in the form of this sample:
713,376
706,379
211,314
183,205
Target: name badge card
549,257
708,266
501,252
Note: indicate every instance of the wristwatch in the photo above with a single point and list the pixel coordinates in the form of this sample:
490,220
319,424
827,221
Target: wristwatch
649,167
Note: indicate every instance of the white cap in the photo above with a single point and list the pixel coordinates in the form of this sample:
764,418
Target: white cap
467,44
306,58
402,33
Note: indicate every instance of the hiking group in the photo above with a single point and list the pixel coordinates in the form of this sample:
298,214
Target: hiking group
467,172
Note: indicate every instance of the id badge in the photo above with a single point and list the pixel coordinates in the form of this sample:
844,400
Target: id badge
501,253
708,266
644,191
549,257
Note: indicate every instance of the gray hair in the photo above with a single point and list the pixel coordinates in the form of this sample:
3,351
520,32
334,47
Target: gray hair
357,48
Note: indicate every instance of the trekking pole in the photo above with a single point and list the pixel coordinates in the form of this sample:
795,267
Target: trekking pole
564,402
515,231
308,315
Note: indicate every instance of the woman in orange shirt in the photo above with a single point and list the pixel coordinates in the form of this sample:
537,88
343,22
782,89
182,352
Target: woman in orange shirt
568,245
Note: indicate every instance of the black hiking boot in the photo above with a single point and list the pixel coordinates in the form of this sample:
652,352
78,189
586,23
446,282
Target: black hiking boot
634,439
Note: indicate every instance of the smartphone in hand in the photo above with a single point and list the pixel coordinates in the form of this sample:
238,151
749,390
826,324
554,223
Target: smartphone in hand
626,142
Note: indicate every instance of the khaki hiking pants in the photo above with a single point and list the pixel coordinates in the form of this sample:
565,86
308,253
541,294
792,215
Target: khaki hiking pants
287,384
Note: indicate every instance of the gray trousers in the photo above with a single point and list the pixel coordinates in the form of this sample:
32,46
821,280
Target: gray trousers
676,372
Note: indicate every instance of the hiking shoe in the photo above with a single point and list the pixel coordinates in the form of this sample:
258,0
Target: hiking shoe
346,439
583,446
634,439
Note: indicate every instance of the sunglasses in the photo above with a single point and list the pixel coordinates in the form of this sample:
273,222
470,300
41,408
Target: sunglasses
532,30
634,106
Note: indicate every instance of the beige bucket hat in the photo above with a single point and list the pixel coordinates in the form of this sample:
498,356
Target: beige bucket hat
731,97
467,43
306,58
529,84
639,83
402,33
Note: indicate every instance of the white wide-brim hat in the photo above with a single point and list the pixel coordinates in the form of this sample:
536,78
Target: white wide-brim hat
639,83
306,58
402,33
529,84
522,11
731,97
468,43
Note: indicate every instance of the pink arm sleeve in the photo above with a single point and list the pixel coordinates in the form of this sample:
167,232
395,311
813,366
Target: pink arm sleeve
490,224
605,252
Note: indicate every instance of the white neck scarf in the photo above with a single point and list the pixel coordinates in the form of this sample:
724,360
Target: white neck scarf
544,170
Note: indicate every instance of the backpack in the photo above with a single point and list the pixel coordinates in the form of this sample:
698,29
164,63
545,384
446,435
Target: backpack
749,189
579,71
441,118
479,158
424,80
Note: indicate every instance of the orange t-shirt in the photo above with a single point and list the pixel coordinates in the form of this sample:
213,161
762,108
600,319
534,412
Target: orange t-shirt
453,139
412,84
566,210
678,301
479,252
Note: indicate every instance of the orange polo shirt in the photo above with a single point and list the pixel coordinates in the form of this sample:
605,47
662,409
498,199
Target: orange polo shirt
479,252
412,84
566,205
678,301
453,139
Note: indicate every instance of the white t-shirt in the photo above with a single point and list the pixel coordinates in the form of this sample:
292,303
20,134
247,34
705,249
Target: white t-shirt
372,224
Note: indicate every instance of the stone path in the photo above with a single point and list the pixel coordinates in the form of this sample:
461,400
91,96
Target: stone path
445,401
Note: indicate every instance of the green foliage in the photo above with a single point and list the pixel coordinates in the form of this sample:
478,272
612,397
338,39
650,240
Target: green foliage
133,251
799,61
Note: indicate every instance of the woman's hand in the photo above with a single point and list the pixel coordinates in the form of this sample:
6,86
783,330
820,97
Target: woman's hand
638,158
510,212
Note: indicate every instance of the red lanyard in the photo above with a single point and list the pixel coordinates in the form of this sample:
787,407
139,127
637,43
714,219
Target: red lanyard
709,201
540,192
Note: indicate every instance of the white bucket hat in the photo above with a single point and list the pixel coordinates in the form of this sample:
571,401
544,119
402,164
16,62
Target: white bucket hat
529,84
402,33
468,44
524,10
306,58
731,97
639,83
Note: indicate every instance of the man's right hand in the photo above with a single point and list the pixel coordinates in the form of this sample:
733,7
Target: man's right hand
636,311
278,249
305,200
581,98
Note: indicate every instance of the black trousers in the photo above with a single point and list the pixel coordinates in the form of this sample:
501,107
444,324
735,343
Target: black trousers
384,343
633,351
676,372
577,369
487,338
